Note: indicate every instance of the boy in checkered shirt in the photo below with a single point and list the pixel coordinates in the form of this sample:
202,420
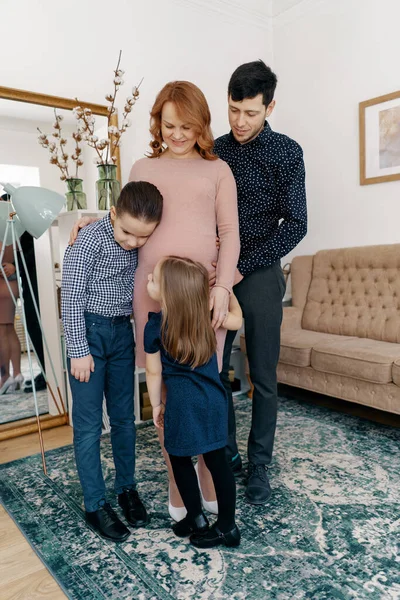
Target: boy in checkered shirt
97,284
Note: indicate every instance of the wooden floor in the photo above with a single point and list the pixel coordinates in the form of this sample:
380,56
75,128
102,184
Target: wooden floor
22,575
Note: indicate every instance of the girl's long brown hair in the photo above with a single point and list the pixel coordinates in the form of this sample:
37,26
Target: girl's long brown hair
191,106
186,331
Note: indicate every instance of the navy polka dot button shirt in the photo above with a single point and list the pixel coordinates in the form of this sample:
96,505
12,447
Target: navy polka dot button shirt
270,178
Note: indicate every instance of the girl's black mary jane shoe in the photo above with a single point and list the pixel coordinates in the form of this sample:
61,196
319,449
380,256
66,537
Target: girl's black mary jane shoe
214,537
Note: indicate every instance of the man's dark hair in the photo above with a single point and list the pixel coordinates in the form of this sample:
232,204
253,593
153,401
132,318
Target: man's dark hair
5,197
141,200
251,79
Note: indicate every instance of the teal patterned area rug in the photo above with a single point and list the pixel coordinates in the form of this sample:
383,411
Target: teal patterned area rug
20,405
331,530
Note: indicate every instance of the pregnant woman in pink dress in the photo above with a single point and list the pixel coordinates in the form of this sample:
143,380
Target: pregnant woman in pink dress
199,194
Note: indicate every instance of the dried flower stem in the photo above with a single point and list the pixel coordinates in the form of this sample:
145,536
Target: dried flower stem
90,130
112,109
126,113
60,144
58,155
55,160
86,121
77,154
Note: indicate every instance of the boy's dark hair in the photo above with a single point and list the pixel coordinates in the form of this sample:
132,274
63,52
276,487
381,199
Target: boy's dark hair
141,200
251,79
5,197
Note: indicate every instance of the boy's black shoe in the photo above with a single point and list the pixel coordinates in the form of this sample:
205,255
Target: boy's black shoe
106,522
214,537
258,490
188,526
133,508
236,464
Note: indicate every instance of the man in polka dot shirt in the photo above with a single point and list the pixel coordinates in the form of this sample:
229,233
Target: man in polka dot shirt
270,177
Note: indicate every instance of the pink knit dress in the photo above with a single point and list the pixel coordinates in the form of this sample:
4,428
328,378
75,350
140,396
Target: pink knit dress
199,196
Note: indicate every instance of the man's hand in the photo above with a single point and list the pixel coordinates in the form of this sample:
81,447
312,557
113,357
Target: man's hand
158,416
219,302
78,225
82,367
9,269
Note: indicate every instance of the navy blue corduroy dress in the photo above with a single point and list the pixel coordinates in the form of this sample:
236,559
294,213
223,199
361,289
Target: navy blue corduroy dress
196,412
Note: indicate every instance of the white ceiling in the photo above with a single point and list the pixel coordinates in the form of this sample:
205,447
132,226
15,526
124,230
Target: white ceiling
269,7
258,9
280,6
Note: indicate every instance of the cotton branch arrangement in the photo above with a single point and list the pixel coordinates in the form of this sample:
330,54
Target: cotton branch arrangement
105,148
57,148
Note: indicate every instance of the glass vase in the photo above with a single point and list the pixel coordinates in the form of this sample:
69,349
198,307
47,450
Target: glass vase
108,187
76,197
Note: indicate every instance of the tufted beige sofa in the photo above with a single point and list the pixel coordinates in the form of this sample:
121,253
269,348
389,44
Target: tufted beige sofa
341,336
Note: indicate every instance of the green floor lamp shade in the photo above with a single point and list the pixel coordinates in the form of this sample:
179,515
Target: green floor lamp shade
5,209
36,207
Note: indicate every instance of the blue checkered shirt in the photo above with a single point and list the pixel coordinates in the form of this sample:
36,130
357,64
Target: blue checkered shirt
98,277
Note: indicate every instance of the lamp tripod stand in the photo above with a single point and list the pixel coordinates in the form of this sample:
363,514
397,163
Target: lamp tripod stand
16,244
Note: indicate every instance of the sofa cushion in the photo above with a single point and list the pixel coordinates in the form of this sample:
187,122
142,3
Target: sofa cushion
396,372
296,345
356,292
360,358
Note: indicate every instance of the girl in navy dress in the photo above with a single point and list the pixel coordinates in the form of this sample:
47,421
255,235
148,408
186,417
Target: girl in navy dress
180,348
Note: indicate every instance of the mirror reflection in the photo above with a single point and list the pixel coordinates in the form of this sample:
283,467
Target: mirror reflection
23,161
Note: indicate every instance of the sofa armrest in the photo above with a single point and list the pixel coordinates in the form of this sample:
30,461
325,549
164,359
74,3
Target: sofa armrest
291,318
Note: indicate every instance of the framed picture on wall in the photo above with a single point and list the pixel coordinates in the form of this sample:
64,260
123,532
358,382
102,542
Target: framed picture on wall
379,120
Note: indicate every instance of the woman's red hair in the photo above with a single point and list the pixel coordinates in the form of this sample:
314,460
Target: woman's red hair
192,107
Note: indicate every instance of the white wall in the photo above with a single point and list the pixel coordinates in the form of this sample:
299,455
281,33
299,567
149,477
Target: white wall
70,49
329,56
19,146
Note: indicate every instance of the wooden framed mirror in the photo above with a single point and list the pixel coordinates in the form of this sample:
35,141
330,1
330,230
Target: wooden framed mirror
24,162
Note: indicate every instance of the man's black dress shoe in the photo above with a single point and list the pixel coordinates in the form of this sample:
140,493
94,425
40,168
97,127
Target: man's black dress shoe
258,490
133,508
187,526
236,464
106,522
214,537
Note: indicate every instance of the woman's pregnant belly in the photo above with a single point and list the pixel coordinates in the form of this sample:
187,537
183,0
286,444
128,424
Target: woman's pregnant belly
189,242
195,242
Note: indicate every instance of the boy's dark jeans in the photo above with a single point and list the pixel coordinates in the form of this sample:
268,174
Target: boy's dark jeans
260,295
111,344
